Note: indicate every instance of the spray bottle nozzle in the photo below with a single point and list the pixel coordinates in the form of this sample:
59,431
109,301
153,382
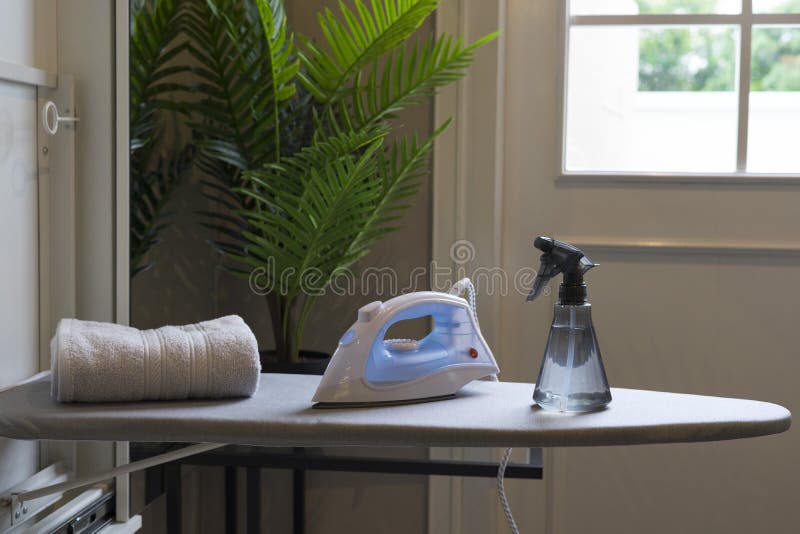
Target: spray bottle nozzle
561,258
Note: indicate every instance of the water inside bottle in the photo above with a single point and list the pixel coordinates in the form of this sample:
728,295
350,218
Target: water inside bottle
572,377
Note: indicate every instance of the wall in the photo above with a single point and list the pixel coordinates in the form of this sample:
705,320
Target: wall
186,285
718,323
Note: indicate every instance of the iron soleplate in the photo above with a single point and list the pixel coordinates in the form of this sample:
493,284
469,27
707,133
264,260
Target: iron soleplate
377,404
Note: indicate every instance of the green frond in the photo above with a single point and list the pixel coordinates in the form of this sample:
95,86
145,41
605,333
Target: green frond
355,39
245,71
150,192
244,68
309,207
400,170
409,75
155,41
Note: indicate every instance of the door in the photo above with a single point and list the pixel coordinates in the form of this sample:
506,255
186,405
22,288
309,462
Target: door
57,207
27,44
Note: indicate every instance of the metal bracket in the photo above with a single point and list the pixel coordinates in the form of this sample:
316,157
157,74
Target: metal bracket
15,510
18,510
20,497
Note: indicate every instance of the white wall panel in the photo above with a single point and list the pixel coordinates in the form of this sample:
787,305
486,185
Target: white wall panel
26,38
28,33
19,268
86,39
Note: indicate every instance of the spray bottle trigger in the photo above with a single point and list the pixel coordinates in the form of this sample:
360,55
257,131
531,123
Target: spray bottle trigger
547,270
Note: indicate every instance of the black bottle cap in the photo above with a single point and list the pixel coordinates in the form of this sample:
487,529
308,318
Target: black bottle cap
572,290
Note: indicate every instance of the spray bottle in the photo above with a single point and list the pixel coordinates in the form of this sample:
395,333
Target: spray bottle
572,377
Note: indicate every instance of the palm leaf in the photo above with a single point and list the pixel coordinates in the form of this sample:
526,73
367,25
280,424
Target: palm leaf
155,32
401,170
150,193
245,75
155,42
311,206
408,75
356,39
245,70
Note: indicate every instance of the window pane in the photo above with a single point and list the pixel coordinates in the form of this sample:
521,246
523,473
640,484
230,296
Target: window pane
774,100
651,100
776,6
660,7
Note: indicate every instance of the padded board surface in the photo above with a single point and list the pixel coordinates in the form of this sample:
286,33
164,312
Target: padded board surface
482,414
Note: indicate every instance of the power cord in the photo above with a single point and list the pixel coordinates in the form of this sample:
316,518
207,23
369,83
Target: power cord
501,491
465,286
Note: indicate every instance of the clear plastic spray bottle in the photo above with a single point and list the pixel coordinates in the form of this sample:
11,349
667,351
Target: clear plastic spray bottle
572,377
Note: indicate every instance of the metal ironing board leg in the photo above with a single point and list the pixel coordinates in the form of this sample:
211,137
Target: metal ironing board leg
253,512
299,461
299,496
173,483
230,499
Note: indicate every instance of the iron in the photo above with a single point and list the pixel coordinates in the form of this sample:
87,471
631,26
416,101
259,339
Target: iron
369,370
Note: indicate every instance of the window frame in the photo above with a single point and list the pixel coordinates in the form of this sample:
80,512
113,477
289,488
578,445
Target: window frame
745,21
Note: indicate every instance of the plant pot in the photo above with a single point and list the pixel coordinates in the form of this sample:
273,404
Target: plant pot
311,362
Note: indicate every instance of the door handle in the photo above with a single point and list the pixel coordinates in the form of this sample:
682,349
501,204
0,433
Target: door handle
51,125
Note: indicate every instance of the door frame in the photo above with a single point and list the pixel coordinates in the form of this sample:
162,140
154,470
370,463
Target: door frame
122,162
122,215
467,214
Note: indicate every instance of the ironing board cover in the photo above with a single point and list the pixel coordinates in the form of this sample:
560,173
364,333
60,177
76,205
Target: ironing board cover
483,414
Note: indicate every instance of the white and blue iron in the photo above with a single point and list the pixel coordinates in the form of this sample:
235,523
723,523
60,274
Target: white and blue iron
368,369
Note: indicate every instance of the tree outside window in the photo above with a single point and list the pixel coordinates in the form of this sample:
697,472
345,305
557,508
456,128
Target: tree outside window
704,58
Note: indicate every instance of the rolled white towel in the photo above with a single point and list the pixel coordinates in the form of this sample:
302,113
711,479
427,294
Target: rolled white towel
103,362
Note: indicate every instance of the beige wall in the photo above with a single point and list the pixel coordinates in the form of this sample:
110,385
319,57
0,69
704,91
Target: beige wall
718,323
186,285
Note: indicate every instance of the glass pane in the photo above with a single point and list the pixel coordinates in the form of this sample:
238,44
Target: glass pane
774,100
651,100
660,7
776,6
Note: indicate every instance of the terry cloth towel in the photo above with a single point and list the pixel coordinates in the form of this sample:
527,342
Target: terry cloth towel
104,362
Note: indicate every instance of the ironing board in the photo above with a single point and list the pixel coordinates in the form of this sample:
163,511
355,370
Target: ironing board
483,414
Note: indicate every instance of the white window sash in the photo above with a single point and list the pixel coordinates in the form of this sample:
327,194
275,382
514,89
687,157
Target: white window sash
686,19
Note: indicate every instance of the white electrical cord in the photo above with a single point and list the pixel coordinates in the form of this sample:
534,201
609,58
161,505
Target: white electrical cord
465,286
501,491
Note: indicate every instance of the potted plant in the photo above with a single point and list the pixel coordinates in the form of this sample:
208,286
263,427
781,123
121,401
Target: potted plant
295,136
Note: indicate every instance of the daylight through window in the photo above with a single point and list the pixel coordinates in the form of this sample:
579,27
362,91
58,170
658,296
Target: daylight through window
682,86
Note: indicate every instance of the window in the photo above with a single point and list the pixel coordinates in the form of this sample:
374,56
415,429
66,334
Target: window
682,86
